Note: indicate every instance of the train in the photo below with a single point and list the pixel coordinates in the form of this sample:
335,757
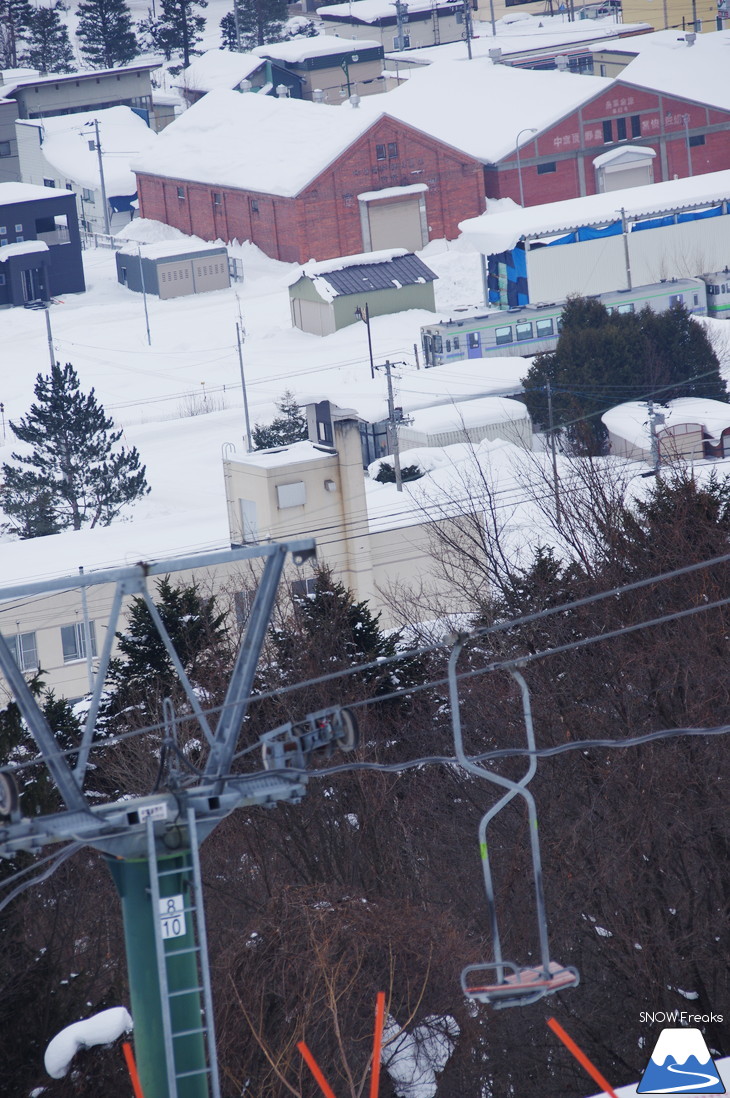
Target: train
529,329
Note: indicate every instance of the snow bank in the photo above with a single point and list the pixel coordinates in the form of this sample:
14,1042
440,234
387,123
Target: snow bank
101,1029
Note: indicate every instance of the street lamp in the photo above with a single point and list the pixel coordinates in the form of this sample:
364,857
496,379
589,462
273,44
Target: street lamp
528,129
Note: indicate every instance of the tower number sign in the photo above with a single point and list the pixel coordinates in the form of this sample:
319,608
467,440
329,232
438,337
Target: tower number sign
172,917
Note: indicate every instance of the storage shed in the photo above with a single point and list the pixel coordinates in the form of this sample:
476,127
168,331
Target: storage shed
469,421
173,268
326,296
688,428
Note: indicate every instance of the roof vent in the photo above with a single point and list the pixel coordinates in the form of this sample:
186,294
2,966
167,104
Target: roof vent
495,55
355,100
318,95
690,38
245,85
282,91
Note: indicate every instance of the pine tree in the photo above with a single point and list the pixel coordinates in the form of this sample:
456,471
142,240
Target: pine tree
603,359
142,674
15,19
178,30
73,475
259,22
290,426
48,46
106,34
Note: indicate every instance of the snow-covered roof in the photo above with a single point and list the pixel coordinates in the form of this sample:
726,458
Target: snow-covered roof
23,248
122,133
699,72
218,69
625,152
522,36
498,232
393,192
464,414
366,272
254,142
11,193
280,456
9,86
630,421
300,49
441,100
164,248
370,11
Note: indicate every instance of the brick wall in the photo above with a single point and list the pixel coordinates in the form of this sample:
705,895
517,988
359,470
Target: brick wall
323,221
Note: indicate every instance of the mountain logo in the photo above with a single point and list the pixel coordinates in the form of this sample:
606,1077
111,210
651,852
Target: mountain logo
681,1064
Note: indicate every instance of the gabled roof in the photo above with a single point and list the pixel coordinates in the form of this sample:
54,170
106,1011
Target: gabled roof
29,81
373,271
666,63
372,11
302,49
218,69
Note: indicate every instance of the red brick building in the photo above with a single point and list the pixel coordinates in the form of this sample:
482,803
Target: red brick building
686,138
306,181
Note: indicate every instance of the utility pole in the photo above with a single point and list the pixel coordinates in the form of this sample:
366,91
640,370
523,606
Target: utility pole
685,119
144,295
401,15
87,636
97,145
467,27
551,428
654,418
240,333
627,260
364,315
392,422
49,334
237,26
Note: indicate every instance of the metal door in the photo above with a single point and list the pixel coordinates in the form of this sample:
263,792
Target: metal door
474,344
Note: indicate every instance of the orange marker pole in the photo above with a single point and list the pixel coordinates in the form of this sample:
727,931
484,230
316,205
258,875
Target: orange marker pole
132,1069
377,1044
316,1070
581,1057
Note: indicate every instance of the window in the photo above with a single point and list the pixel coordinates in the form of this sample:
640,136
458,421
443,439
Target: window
49,182
69,186
217,198
291,495
545,169
3,230
448,346
19,239
675,299
635,125
472,340
523,330
627,308
456,343
18,228
696,139
2,279
3,241
4,148
544,328
87,195
503,335
380,152
620,129
392,150
404,45
24,650
607,133
181,193
73,641
304,589
254,206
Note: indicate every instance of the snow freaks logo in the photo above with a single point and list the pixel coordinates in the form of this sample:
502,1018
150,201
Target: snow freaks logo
681,1064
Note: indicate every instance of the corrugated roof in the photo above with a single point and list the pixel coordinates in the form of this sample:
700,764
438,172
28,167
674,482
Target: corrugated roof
405,270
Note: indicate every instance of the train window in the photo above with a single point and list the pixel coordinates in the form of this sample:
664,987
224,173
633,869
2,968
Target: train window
627,308
503,335
456,343
437,344
524,330
559,324
448,346
696,299
472,340
675,299
544,327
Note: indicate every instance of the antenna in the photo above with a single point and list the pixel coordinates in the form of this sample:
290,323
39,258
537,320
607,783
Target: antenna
151,842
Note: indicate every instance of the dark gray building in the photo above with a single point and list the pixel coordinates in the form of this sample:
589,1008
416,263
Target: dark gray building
9,163
173,268
40,246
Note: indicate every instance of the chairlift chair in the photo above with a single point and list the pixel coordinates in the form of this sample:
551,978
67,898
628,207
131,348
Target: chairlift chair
503,983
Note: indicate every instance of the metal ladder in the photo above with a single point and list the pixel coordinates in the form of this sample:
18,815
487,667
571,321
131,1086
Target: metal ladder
181,917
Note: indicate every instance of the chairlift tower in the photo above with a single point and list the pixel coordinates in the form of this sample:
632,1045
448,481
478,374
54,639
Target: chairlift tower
151,843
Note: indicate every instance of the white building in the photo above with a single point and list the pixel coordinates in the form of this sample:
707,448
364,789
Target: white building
62,152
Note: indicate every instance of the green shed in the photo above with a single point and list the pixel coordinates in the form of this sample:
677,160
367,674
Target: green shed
330,295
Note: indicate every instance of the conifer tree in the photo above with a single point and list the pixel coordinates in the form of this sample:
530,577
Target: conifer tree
48,46
178,30
74,474
290,426
106,34
259,22
15,20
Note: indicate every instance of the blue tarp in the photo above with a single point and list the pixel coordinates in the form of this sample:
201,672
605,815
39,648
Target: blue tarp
652,223
120,202
507,278
698,215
